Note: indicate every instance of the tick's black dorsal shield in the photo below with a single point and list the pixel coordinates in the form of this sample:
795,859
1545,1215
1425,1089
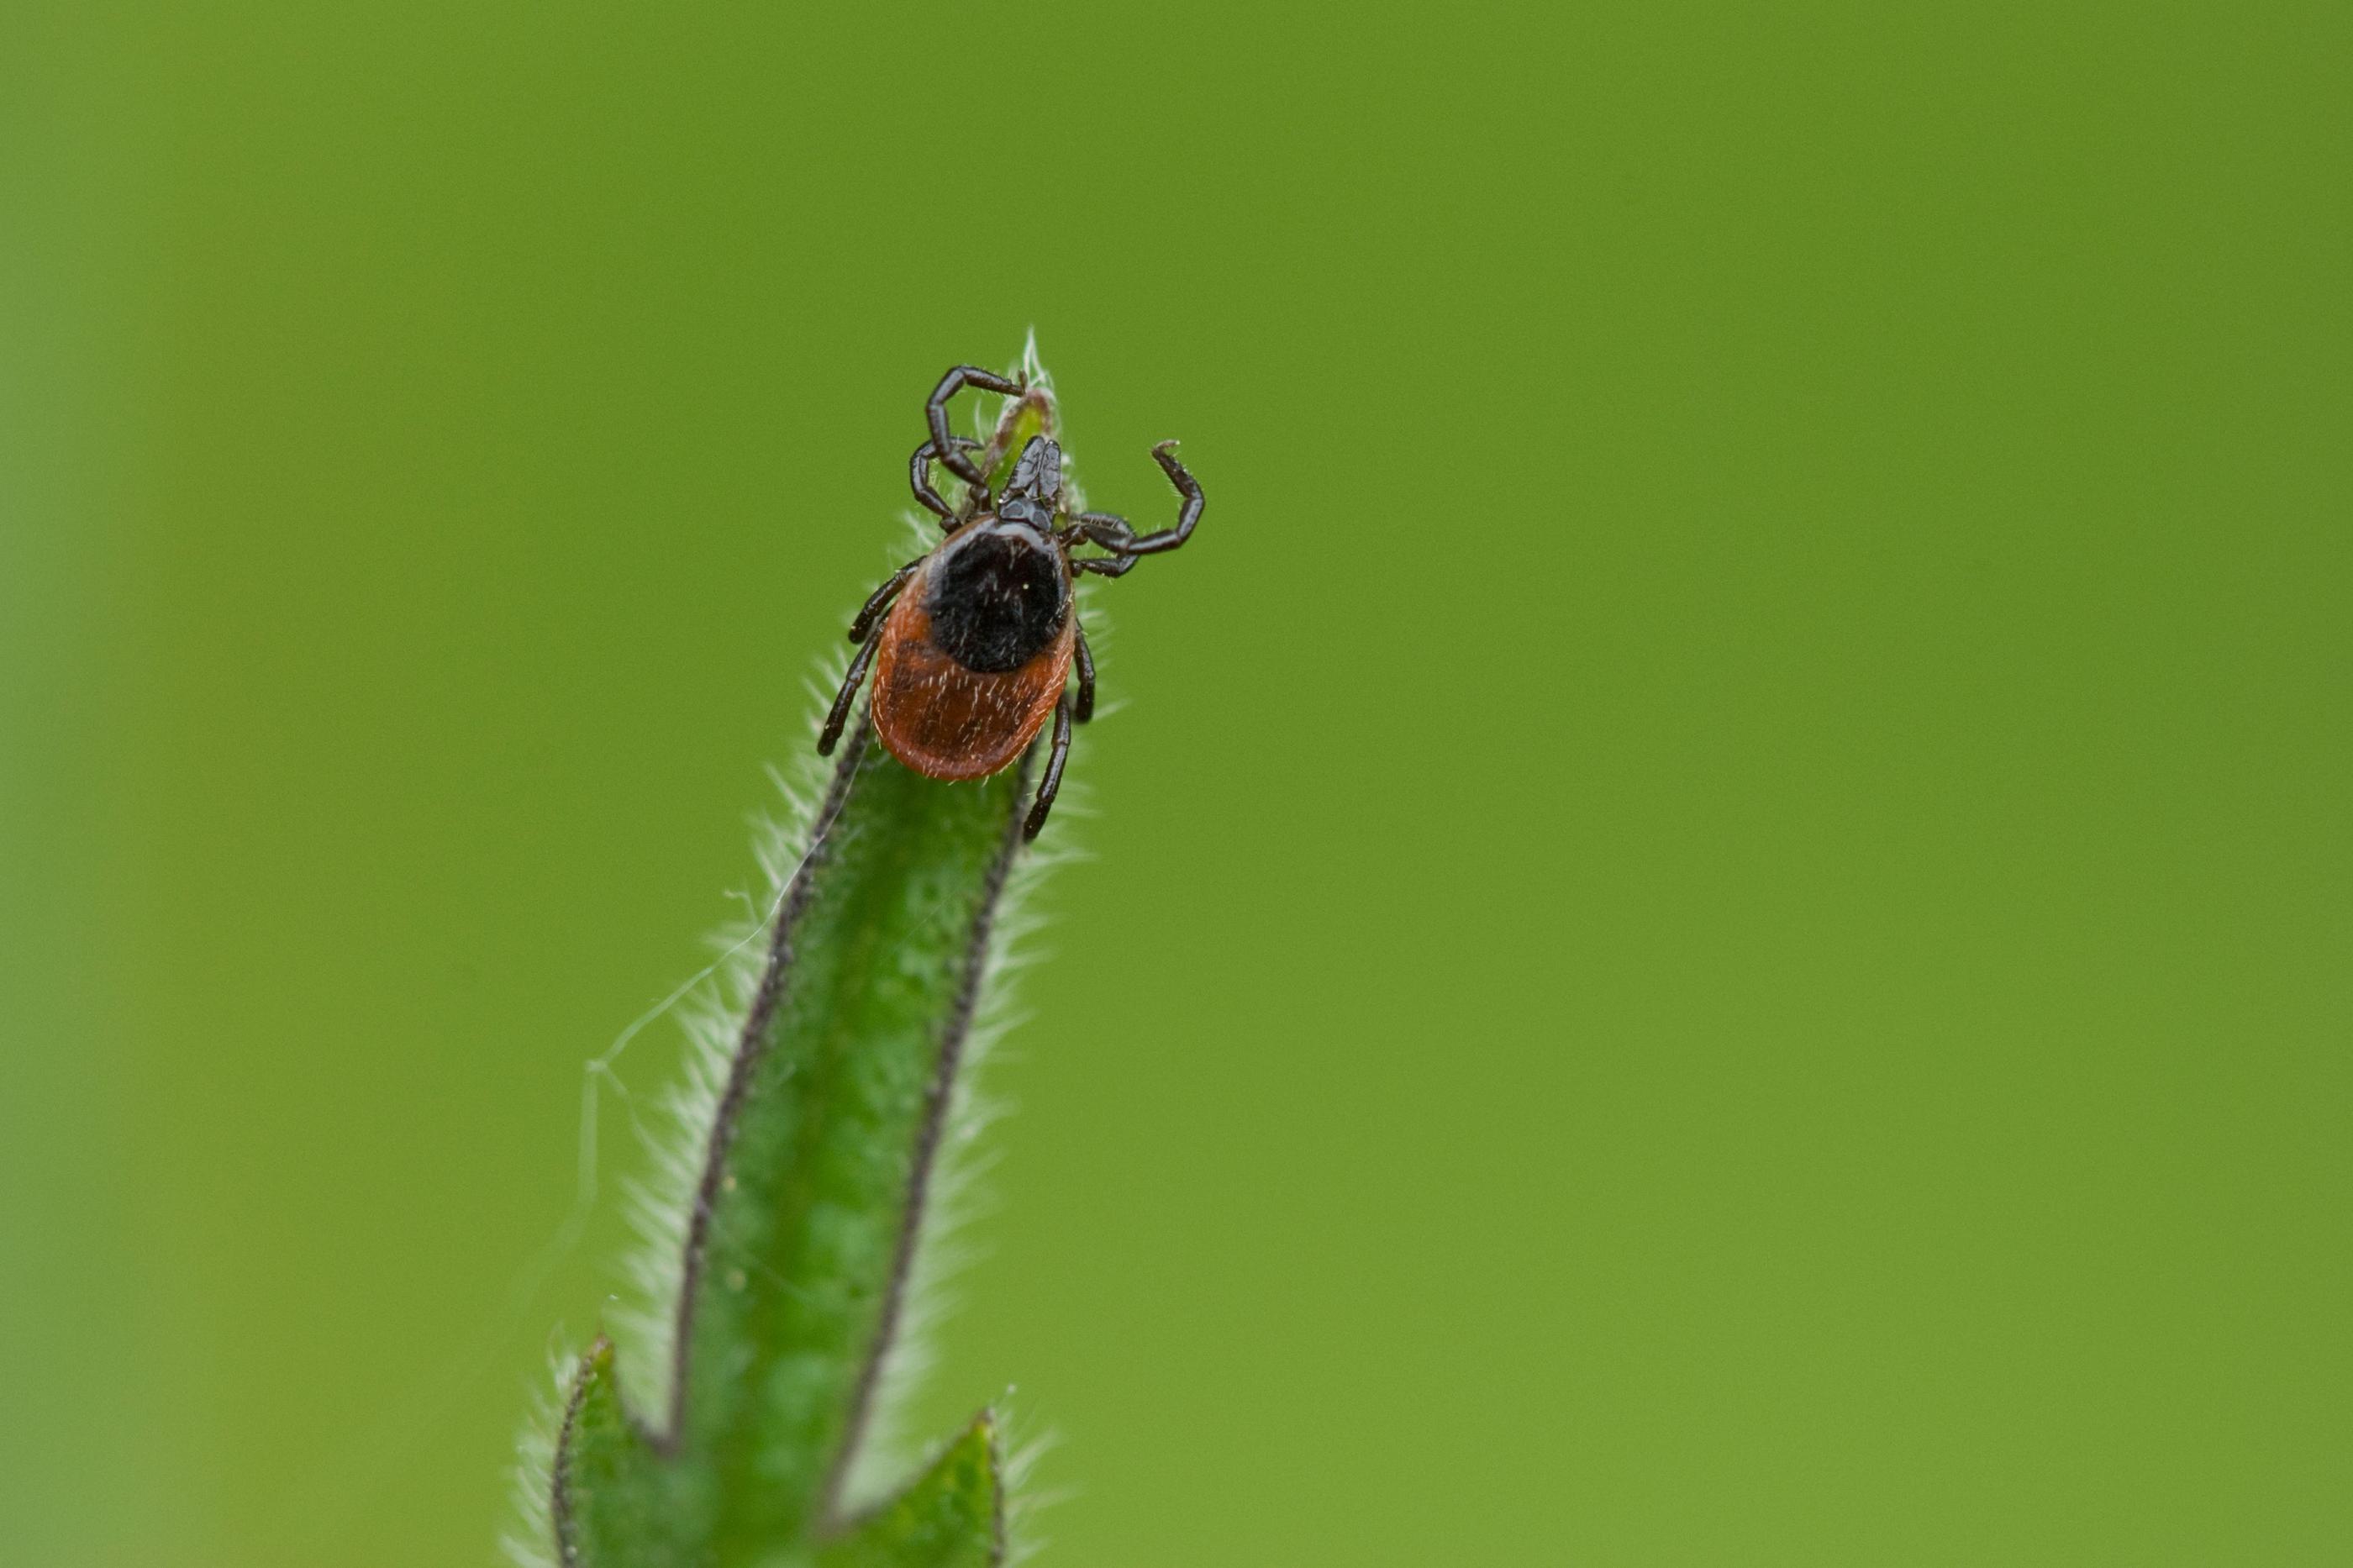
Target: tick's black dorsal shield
998,593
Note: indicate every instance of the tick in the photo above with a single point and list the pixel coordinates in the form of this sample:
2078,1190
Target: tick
978,635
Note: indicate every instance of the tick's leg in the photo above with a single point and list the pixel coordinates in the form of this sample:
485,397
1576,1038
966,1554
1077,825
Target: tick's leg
1053,782
1107,565
879,600
839,714
935,411
919,476
1187,515
1112,533
1084,709
1107,529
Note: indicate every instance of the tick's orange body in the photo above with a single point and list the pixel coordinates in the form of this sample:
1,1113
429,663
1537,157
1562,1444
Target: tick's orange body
946,721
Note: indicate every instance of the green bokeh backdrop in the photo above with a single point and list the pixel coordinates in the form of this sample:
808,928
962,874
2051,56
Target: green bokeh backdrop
1718,925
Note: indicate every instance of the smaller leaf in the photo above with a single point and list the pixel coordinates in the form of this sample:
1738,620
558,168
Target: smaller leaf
953,1516
614,1499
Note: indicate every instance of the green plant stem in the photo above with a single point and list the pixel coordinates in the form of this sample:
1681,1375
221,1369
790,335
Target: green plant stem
806,1221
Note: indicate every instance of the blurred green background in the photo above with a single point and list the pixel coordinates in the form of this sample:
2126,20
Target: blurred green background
1718,927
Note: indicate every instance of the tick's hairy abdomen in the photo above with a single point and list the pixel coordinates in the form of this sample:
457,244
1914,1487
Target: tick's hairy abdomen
947,720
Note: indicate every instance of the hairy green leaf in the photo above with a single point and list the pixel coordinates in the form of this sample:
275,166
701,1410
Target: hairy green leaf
953,1517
